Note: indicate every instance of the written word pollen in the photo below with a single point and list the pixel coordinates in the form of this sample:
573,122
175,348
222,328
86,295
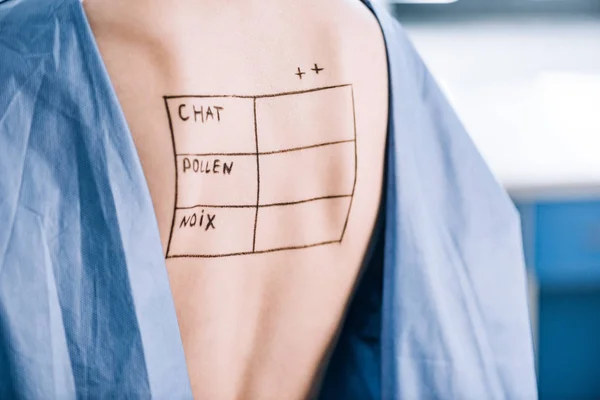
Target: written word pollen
200,114
207,166
198,220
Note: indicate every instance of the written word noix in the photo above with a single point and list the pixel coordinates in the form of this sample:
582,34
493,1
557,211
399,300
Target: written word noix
201,114
197,220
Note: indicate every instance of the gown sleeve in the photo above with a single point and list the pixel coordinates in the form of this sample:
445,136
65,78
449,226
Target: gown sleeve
85,304
455,317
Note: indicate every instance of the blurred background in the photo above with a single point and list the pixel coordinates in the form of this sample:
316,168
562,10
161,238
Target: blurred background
524,76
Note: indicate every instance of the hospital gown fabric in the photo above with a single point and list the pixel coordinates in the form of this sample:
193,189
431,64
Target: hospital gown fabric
85,305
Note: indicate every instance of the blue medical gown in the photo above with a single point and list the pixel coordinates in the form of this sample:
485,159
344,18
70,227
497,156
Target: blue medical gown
85,304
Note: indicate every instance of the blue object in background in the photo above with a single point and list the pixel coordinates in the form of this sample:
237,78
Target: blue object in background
562,245
569,344
566,242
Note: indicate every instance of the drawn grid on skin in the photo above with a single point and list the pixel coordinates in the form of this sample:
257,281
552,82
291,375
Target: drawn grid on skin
176,176
266,153
257,153
257,176
355,165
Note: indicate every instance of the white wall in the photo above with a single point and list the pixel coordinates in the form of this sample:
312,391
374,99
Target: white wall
528,92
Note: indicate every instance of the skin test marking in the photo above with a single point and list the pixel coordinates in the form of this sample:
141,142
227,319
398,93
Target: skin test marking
230,162
317,69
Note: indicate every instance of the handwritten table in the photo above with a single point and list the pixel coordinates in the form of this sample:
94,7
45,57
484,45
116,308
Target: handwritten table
233,163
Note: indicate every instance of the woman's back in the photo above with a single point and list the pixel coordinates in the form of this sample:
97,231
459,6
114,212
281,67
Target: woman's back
261,127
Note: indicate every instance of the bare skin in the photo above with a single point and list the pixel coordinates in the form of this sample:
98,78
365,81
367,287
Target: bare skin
255,326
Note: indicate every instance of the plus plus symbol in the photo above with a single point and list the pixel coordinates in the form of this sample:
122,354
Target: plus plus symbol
317,69
300,73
